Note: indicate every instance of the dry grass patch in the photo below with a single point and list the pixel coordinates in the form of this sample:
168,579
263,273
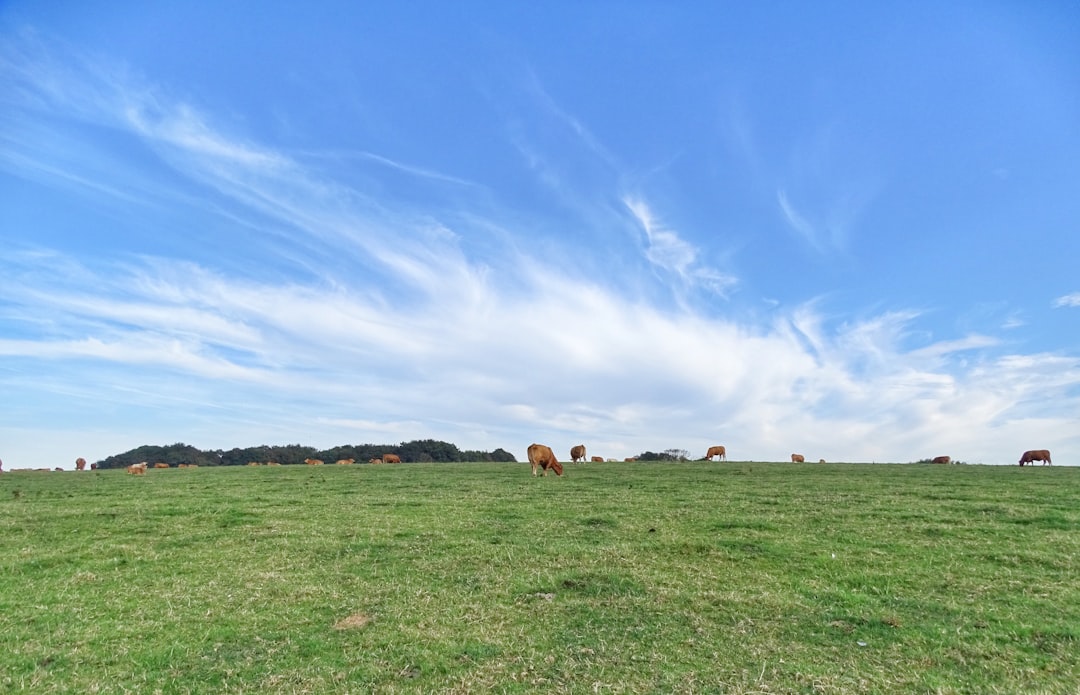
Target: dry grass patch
353,622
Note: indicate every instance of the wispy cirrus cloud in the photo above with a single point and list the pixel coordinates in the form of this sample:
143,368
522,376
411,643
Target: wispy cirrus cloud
386,319
796,220
667,250
826,186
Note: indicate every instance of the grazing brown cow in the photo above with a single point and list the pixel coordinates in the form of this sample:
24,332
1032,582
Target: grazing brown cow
941,459
313,462
716,451
375,461
80,464
161,465
544,457
798,458
345,462
391,458
577,452
597,459
630,460
137,468
1036,455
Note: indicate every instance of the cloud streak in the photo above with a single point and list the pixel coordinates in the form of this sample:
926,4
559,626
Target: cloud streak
1068,300
666,250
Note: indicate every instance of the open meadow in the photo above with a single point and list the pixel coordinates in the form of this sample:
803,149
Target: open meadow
617,578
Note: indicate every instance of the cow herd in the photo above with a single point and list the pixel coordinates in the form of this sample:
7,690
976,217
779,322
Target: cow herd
541,457
140,468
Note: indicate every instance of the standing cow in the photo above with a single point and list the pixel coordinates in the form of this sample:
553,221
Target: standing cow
941,459
391,458
798,458
543,457
1036,455
716,451
577,453
80,464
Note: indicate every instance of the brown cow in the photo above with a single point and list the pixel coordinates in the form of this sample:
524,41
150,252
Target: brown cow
630,460
1036,455
391,458
716,451
345,462
313,462
544,457
137,468
941,459
798,458
93,466
254,463
272,463
80,464
161,465
375,461
577,452
597,459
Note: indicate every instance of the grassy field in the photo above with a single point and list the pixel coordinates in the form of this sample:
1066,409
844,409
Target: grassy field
618,578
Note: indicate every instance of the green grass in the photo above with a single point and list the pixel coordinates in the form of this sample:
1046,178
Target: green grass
617,578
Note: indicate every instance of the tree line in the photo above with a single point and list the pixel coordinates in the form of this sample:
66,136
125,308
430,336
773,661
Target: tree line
666,455
416,451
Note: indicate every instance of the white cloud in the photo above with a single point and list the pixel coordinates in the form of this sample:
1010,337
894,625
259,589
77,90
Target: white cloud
1013,321
1068,300
563,360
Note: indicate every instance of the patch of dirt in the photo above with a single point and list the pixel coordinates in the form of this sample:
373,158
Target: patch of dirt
353,622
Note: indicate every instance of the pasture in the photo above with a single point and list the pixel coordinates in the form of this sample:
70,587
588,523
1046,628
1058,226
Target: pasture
617,578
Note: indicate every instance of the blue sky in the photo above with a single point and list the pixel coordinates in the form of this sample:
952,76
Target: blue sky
840,229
